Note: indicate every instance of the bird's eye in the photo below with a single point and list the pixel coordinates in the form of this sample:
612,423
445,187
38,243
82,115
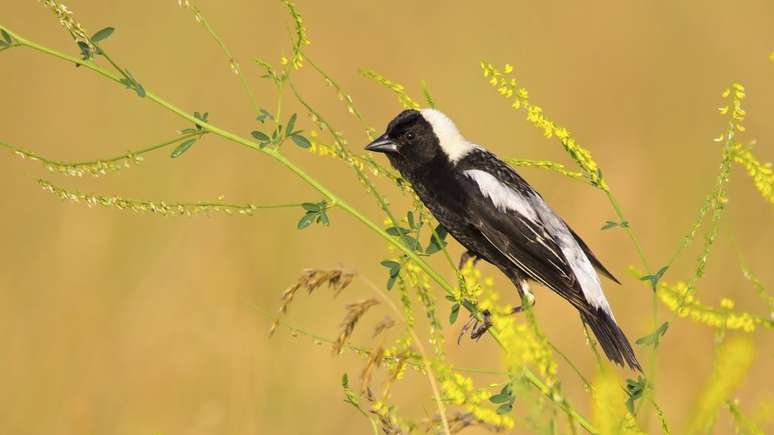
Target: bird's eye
410,135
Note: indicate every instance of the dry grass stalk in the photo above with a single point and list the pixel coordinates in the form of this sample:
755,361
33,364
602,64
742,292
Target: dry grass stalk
383,325
311,280
354,312
461,421
374,361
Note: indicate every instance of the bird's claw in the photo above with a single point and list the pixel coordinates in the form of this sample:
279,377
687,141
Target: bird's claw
479,327
467,255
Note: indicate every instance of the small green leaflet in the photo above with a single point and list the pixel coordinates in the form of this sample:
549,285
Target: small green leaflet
183,147
394,270
301,141
654,338
435,245
410,218
102,34
613,224
455,312
655,278
296,136
505,397
263,115
291,124
86,52
403,234
315,213
635,390
261,137
129,81
7,40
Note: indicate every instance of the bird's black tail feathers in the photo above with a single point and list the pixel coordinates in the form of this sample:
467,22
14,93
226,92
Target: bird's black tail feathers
611,338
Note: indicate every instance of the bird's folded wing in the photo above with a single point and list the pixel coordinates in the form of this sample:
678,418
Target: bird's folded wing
525,245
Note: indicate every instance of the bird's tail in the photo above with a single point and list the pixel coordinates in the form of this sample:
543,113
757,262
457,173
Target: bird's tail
611,338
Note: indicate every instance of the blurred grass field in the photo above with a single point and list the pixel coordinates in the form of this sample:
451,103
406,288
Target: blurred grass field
134,324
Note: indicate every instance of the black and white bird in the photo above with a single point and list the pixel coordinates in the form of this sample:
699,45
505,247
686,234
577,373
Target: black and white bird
498,217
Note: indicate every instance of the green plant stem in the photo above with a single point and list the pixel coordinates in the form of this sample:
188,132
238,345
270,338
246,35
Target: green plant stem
142,151
335,199
233,63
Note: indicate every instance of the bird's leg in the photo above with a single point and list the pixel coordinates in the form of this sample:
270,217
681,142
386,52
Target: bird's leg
527,298
467,255
479,327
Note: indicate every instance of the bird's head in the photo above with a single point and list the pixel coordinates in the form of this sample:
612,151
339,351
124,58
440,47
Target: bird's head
417,137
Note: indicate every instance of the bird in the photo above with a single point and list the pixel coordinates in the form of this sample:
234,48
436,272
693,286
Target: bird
493,212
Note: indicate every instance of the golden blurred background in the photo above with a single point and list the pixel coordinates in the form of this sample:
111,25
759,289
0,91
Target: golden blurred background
120,323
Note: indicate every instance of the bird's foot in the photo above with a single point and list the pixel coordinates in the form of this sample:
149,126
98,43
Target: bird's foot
467,255
479,327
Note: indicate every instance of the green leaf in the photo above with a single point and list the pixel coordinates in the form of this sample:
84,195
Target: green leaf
609,224
394,268
301,141
311,206
435,244
655,278
263,115
306,220
85,50
291,124
504,409
455,312
410,219
345,380
324,218
6,37
139,89
391,282
635,390
183,147
260,136
397,231
500,398
654,338
102,34
412,243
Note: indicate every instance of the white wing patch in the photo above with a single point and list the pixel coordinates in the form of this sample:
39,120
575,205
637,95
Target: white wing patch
539,213
502,196
451,140
580,264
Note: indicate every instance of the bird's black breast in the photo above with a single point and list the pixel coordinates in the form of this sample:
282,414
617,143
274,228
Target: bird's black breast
450,195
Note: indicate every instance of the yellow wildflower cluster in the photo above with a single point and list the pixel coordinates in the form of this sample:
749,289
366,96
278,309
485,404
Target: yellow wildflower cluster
474,284
609,412
398,89
301,40
680,298
507,87
546,164
523,342
737,94
459,390
761,173
733,360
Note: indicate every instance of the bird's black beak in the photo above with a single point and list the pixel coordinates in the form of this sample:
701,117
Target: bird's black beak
382,144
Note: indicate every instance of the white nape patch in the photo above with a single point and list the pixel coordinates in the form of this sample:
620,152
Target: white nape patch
580,264
452,143
502,196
